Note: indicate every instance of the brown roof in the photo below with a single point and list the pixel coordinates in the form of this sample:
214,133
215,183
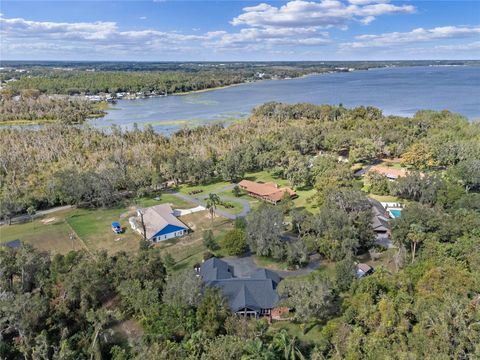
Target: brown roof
364,267
268,190
388,171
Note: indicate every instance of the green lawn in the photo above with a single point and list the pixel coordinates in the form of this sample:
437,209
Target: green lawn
269,263
49,233
205,189
91,226
384,198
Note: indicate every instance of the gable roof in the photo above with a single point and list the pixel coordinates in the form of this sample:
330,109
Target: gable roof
388,171
268,190
158,217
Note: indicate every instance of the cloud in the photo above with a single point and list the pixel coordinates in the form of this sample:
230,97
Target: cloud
143,18
414,36
254,38
324,13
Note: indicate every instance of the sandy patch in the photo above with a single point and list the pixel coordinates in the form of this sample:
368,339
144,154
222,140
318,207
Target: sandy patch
48,220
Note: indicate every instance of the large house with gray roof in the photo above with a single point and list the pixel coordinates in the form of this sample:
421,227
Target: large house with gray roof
248,296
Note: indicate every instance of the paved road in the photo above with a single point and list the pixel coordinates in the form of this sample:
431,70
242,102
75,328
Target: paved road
245,204
245,266
25,217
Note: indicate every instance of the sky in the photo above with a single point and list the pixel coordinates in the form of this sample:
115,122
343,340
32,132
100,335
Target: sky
236,30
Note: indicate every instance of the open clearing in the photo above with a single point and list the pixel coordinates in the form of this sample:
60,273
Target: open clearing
91,228
189,249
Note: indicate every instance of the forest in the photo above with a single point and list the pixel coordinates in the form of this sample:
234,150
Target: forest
67,307
31,106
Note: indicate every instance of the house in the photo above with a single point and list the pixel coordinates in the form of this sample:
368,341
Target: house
160,223
363,270
389,172
379,221
269,192
247,296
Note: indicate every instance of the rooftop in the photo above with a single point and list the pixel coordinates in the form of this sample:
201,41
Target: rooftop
256,292
268,190
158,217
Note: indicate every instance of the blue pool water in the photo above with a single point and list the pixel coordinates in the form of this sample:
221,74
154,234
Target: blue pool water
395,213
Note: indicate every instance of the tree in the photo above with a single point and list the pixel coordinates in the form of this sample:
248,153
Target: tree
183,289
420,156
296,253
312,298
31,211
212,312
235,242
286,346
415,236
264,230
345,272
212,201
209,240
236,191
378,183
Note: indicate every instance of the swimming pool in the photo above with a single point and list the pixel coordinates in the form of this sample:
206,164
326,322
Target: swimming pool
395,212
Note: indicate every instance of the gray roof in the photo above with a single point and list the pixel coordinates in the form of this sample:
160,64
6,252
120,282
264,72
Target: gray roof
255,292
267,274
379,219
158,217
215,269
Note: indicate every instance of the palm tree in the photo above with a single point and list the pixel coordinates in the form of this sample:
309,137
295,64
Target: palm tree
288,345
212,202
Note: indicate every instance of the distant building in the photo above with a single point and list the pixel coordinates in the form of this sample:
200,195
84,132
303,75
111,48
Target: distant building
389,172
160,223
269,192
249,296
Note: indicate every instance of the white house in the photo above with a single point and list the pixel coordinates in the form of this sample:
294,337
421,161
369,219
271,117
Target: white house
160,223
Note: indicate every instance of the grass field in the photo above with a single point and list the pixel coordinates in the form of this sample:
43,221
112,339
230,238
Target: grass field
91,227
205,189
51,233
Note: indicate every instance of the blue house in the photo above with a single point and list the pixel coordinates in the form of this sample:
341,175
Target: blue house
160,223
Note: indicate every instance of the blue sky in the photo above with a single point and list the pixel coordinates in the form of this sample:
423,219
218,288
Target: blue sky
172,30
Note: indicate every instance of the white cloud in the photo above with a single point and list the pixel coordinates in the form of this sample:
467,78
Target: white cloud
416,35
143,18
324,13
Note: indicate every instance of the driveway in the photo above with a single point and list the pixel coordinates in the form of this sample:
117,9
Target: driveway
24,217
192,199
245,266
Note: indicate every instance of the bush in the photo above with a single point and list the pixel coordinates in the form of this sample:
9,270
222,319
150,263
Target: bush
235,242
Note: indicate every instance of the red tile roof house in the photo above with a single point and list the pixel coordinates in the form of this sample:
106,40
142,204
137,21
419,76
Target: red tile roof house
269,192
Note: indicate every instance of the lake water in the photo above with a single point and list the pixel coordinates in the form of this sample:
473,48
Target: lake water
397,91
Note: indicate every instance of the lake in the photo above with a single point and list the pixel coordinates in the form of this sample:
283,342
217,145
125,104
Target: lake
397,91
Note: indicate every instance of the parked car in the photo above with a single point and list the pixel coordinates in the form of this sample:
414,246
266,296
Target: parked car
117,228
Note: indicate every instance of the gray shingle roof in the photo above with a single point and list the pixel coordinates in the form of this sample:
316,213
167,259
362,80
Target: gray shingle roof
256,292
248,293
215,269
